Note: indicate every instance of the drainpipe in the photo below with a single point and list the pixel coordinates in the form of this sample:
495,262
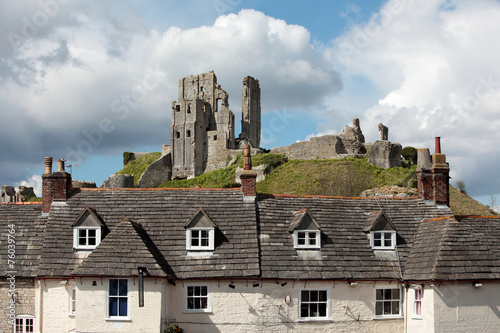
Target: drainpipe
39,318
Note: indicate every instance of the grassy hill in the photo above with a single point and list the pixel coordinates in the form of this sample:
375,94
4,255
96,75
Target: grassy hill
346,177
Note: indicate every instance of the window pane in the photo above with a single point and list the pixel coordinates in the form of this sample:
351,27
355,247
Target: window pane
204,291
204,303
322,309
123,287
204,242
29,325
313,308
92,241
197,303
312,235
113,287
92,233
387,308
379,294
387,293
377,235
395,307
195,242
190,291
377,242
304,311
190,302
304,295
82,237
195,233
378,309
204,233
197,291
123,306
113,306
314,295
395,293
322,295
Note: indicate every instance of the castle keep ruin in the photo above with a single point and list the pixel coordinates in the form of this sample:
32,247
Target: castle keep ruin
202,129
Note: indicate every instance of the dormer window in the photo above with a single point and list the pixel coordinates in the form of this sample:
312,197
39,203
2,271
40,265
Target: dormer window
383,240
306,231
382,231
87,231
200,232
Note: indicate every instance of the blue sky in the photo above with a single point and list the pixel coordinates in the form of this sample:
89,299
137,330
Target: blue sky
86,81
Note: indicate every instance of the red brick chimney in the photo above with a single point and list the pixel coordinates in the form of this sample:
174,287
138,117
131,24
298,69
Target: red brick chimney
433,176
55,186
248,177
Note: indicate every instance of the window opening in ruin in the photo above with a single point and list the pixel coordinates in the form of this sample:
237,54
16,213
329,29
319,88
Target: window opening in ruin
177,135
189,109
202,88
177,108
188,133
219,104
215,137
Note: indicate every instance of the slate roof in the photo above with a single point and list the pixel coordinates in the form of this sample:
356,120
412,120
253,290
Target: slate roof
127,247
163,214
28,226
455,249
146,228
345,251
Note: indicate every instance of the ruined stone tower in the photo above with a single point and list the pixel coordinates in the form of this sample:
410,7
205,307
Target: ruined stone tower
202,131
250,109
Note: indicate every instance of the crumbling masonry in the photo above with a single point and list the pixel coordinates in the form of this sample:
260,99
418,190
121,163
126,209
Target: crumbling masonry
202,128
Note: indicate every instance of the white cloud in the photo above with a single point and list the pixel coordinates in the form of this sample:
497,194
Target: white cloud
34,181
83,67
436,65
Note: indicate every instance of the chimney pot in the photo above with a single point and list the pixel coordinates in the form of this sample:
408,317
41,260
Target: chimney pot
60,165
247,160
437,141
48,165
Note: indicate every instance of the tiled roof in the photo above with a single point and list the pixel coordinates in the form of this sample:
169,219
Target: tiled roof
252,239
28,225
163,214
455,249
345,251
126,248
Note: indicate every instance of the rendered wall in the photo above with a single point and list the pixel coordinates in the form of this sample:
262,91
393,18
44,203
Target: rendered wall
263,308
426,323
91,302
460,307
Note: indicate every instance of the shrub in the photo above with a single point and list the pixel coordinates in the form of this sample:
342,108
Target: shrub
174,329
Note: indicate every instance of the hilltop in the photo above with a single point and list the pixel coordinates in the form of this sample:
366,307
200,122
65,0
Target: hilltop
347,177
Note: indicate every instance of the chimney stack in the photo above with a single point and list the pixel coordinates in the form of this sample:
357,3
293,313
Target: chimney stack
55,186
248,178
433,175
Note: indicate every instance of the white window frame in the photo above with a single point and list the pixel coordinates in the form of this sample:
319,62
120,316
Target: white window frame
108,297
211,239
417,303
307,244
24,319
186,297
72,301
76,238
315,318
383,239
375,302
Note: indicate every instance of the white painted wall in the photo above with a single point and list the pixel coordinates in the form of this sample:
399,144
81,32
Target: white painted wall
426,323
460,307
263,308
91,307
53,314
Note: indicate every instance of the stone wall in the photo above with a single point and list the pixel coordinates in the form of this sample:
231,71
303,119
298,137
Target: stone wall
24,301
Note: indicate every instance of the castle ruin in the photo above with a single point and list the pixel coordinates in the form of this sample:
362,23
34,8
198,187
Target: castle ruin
202,129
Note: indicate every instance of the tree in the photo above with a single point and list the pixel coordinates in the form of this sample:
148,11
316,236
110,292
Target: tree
409,154
461,186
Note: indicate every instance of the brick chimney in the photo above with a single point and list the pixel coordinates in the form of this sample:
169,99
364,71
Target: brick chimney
433,175
248,178
55,186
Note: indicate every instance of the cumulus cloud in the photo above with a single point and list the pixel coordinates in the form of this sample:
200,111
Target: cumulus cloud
76,81
436,65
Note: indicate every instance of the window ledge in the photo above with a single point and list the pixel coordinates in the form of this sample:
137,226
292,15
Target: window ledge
118,319
197,311
326,320
417,318
388,317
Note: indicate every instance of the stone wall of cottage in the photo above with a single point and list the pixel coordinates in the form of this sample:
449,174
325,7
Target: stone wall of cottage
24,301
